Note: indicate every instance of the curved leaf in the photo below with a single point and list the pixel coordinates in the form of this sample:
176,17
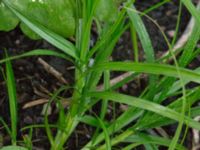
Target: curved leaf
144,138
152,68
36,52
146,105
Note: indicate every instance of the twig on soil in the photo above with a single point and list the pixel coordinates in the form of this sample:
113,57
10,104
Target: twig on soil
65,103
52,71
196,137
35,103
197,147
45,90
162,132
116,80
39,93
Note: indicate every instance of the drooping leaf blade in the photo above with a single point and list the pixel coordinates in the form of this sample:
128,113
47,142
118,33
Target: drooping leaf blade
146,105
152,68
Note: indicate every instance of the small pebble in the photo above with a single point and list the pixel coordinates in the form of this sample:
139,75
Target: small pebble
171,33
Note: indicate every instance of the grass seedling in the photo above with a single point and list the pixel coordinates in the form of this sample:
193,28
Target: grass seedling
145,112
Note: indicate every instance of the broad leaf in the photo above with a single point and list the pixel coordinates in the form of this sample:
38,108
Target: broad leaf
54,15
8,20
13,148
107,10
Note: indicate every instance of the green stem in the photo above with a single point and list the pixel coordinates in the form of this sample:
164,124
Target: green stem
71,117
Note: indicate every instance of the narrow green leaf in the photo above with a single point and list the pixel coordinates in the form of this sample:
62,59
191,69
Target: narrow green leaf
89,120
188,50
36,52
126,118
5,125
11,87
159,69
146,105
189,5
157,5
87,24
106,134
157,121
144,138
142,33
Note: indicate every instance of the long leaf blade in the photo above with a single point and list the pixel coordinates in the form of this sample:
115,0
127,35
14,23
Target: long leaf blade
11,88
146,105
152,68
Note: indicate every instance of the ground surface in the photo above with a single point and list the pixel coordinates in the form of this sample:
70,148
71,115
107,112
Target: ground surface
34,82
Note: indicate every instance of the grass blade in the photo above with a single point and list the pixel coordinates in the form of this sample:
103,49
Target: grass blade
142,33
11,87
144,138
151,68
36,52
106,134
191,8
146,105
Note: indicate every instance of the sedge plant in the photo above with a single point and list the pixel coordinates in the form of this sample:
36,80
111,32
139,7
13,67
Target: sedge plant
145,112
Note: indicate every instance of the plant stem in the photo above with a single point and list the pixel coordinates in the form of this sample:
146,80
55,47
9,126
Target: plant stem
71,117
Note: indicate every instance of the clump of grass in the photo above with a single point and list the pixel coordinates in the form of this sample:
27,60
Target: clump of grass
143,113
